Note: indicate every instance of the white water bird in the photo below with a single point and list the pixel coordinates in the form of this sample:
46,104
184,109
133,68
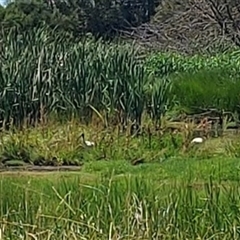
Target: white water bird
198,140
86,142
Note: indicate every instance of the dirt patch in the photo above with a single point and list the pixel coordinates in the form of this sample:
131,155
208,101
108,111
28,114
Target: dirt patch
40,169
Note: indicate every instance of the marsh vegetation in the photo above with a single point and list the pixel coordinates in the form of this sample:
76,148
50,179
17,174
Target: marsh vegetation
142,178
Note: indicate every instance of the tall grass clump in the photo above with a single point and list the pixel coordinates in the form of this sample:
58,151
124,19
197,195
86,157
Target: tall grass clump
44,72
127,208
200,81
207,89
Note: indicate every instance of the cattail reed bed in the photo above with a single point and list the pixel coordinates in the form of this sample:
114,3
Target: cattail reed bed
42,73
118,208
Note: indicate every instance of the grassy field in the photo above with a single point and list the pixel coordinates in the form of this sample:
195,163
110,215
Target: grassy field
171,194
143,179
180,199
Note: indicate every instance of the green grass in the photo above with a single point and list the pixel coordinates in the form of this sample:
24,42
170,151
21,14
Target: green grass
59,144
199,81
191,195
213,88
224,169
179,199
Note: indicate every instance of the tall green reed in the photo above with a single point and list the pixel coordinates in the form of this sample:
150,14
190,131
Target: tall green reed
44,72
128,207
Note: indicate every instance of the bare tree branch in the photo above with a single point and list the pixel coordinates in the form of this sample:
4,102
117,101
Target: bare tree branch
191,25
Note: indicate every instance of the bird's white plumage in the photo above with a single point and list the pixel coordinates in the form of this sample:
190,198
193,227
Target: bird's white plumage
89,144
86,142
197,140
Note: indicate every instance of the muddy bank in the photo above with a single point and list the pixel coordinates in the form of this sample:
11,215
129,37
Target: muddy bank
40,168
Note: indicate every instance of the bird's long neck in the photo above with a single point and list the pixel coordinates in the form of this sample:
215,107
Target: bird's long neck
83,137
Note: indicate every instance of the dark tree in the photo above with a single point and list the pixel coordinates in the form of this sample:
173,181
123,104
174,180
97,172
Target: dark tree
102,18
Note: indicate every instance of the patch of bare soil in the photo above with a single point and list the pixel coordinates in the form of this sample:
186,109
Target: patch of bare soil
39,169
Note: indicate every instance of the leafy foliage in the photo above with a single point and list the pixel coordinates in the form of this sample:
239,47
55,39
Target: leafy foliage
101,18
